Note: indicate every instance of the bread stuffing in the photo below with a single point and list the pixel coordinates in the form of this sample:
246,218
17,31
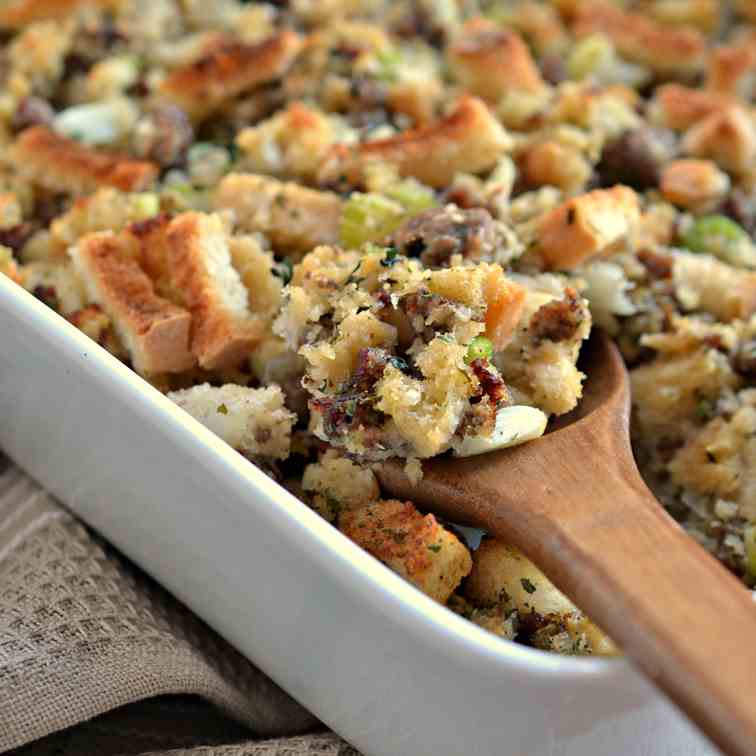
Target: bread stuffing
344,233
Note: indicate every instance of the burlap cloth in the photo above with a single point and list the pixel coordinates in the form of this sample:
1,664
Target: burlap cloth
95,658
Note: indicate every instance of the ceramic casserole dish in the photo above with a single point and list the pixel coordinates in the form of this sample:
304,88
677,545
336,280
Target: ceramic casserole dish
392,671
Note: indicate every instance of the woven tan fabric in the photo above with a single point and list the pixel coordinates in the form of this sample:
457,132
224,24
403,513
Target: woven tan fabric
84,633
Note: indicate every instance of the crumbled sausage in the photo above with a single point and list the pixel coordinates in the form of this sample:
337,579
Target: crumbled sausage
32,111
435,235
491,383
163,135
353,405
14,238
553,69
745,359
634,158
658,265
559,319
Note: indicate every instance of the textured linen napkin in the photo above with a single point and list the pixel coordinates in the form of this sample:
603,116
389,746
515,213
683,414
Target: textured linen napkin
96,658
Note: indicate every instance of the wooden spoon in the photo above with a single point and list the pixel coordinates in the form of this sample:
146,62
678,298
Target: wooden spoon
574,502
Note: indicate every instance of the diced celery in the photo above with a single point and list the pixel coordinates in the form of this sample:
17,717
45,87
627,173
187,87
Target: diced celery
413,196
369,217
145,205
720,236
589,56
389,61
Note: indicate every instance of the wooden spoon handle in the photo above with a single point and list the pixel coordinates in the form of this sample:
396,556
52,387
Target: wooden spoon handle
674,610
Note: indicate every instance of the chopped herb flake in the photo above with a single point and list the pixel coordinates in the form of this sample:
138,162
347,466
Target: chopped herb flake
284,270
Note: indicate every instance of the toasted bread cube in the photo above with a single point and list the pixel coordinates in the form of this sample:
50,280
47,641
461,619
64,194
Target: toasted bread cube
256,267
541,25
704,283
727,136
715,461
64,165
19,13
414,546
679,107
334,361
10,211
106,210
489,61
703,14
291,143
586,226
540,361
666,49
154,331
293,217
732,70
228,70
337,484
253,421
468,139
8,266
502,574
553,163
667,390
746,8
503,578
693,184
426,412
224,332
504,299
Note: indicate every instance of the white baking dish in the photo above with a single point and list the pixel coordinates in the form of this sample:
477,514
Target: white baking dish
393,672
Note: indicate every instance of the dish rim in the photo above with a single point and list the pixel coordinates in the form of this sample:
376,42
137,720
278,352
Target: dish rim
416,608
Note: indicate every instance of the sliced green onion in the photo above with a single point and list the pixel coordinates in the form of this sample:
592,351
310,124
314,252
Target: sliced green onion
480,348
284,270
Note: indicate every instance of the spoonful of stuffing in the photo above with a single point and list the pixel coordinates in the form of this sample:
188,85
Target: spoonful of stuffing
574,502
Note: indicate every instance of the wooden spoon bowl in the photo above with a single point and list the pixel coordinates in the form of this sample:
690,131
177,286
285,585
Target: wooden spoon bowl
574,502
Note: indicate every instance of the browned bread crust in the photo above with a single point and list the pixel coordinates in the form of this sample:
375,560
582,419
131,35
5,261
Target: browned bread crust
673,49
680,107
19,13
224,332
730,69
155,331
469,139
228,70
586,226
64,165
415,546
489,60
294,217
